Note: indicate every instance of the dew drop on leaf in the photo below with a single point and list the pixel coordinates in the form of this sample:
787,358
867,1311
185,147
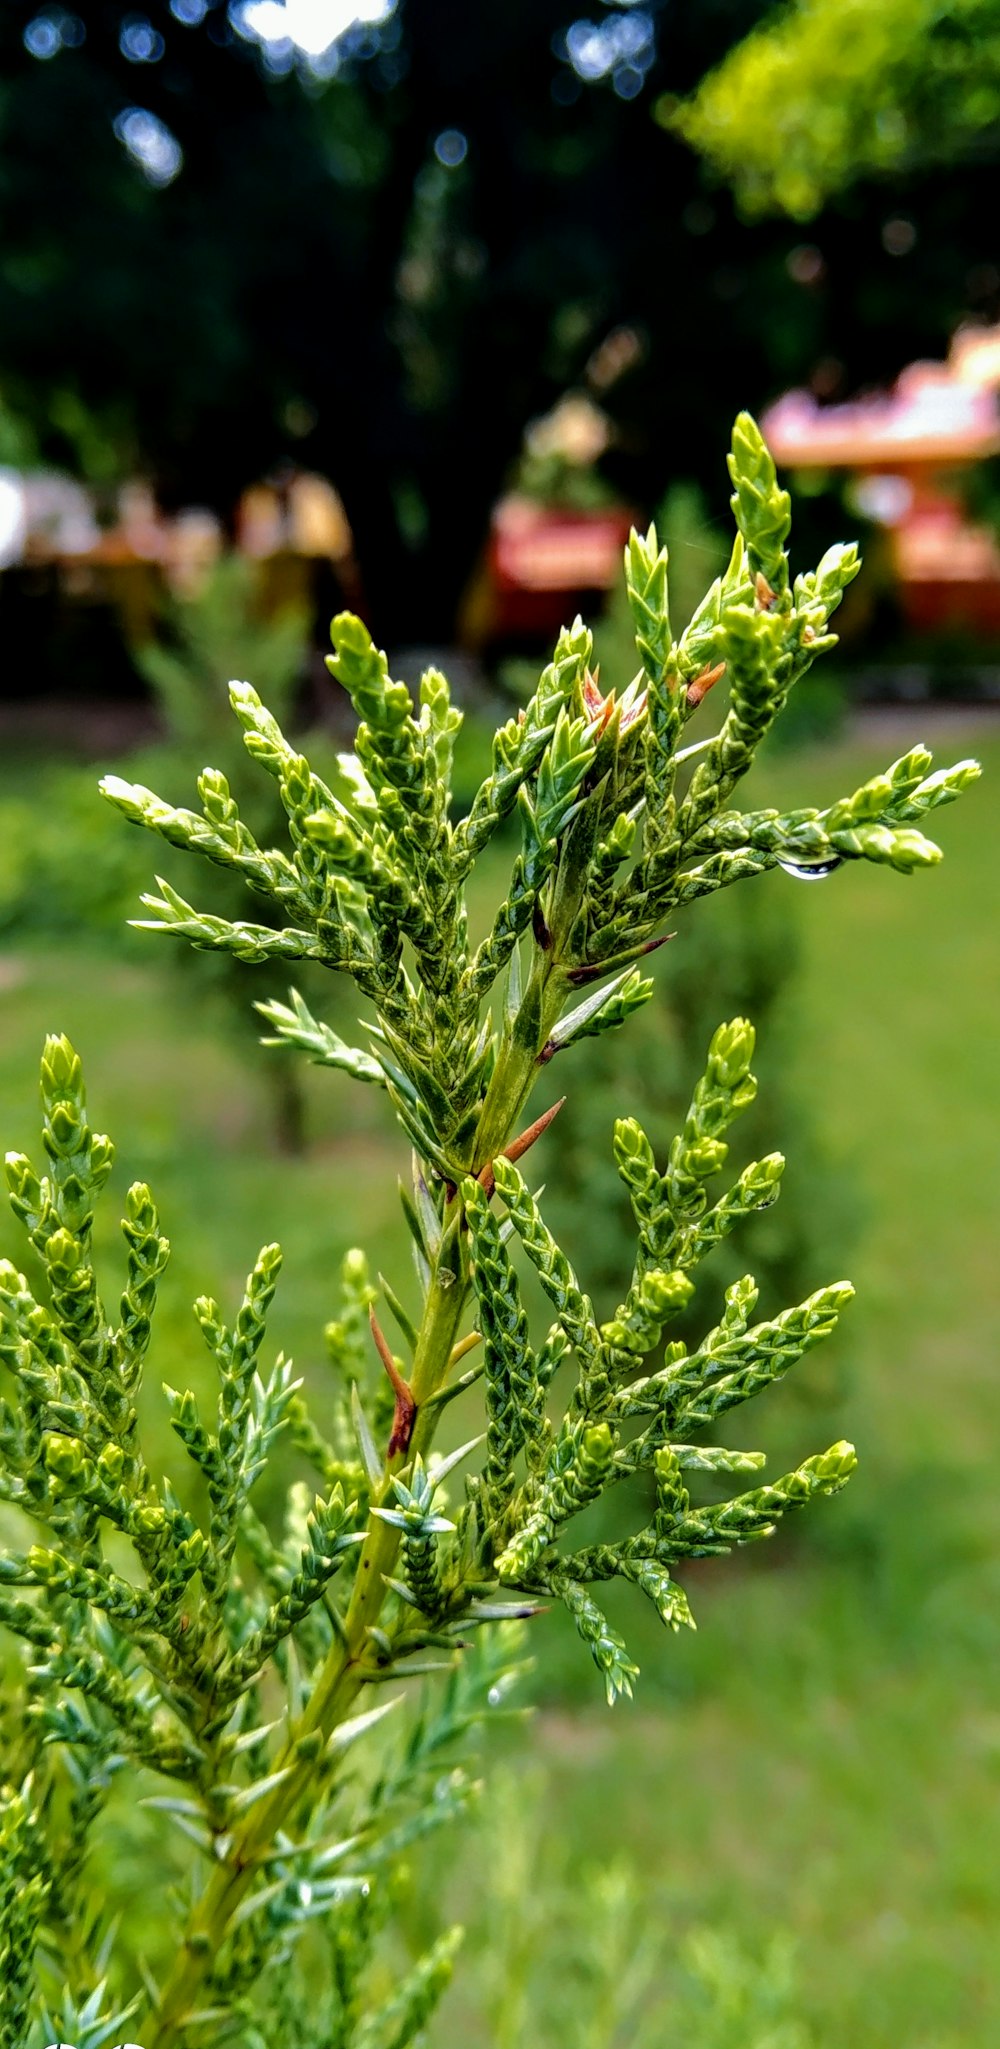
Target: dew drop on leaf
811,871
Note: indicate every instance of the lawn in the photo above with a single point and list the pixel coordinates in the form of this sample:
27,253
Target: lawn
823,1758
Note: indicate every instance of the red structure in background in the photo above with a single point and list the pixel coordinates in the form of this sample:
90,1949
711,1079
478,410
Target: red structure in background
556,537
544,563
906,451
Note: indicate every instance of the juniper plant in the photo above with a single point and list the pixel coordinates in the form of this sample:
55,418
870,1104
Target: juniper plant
241,1666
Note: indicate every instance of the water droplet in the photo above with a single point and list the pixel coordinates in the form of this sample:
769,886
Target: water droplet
811,871
494,1696
365,1890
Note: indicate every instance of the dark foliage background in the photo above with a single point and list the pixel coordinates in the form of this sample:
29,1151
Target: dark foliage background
315,285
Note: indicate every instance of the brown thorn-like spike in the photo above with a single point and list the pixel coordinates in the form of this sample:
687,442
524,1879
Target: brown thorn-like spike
518,1146
405,1413
527,1138
701,684
579,976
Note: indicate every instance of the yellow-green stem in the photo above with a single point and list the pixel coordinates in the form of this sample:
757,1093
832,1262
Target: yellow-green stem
352,1661
517,1069
349,1664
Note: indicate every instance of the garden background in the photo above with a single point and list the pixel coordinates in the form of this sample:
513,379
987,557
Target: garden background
243,247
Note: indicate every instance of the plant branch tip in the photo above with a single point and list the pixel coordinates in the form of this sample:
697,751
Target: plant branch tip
464,1347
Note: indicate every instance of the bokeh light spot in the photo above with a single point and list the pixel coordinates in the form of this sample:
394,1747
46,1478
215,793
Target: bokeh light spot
898,237
621,49
42,37
53,31
883,498
451,148
139,41
150,144
13,525
806,264
316,30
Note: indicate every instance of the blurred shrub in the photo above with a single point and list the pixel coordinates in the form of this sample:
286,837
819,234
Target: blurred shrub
553,478
78,874
589,1958
816,713
67,871
225,627
849,90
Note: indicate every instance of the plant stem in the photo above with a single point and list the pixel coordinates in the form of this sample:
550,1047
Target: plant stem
349,1664
352,1661
516,1070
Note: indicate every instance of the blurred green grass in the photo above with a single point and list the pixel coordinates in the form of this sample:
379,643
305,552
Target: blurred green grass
824,1757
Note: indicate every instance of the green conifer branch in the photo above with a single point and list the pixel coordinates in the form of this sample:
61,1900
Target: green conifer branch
175,1667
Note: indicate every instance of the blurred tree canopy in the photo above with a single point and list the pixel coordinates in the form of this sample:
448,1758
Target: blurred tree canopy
211,265
830,90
